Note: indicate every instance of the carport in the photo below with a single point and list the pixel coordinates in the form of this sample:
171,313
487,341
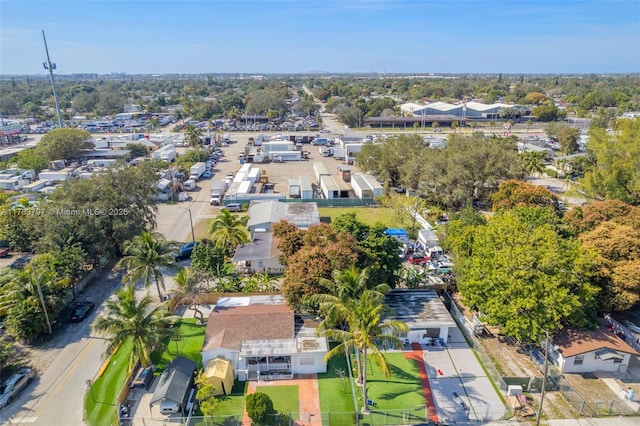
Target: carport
175,382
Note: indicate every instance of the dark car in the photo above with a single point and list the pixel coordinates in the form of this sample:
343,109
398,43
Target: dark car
185,251
81,311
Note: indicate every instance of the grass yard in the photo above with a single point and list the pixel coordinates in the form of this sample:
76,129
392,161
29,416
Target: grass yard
285,398
99,401
367,215
201,229
233,404
402,390
192,338
335,393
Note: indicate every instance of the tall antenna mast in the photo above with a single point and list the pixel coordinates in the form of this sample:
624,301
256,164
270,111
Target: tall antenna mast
50,66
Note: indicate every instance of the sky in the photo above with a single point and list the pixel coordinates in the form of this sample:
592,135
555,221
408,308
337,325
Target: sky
335,36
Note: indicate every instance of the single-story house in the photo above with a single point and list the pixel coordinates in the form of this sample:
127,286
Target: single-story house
175,383
260,337
263,214
586,351
261,255
424,313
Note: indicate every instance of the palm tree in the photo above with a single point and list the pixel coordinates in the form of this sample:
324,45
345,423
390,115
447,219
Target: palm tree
492,124
533,162
192,135
126,318
351,283
189,287
145,255
228,231
367,330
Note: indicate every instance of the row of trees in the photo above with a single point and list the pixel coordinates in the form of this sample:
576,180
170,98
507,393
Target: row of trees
529,269
468,168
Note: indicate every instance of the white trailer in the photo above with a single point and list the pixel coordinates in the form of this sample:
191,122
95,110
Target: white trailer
54,175
245,187
294,188
306,189
277,146
239,177
102,163
254,175
35,186
361,188
165,153
320,170
427,238
232,192
352,148
329,187
339,153
376,187
197,170
279,156
245,168
10,184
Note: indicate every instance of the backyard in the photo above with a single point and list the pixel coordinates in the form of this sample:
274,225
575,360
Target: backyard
368,216
100,400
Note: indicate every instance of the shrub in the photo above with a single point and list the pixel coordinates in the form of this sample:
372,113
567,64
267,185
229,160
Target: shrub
260,408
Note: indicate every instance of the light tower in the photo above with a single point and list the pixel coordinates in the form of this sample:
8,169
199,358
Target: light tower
50,66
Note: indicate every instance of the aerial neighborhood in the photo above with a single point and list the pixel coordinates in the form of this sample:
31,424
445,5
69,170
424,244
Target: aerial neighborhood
322,259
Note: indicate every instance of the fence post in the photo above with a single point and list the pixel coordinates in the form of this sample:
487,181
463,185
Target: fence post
611,407
581,406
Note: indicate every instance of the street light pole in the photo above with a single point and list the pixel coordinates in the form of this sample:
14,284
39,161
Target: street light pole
44,306
544,377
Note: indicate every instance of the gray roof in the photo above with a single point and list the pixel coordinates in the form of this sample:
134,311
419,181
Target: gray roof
264,246
419,308
102,153
175,381
302,215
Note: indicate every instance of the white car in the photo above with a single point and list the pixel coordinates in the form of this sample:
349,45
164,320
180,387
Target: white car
15,383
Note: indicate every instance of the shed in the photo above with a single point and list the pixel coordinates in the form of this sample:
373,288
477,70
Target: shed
175,382
219,372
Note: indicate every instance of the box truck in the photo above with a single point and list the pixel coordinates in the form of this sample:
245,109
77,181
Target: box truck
197,170
217,192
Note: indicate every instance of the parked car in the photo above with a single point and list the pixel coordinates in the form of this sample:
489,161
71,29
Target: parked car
185,251
207,175
233,207
15,383
80,311
418,259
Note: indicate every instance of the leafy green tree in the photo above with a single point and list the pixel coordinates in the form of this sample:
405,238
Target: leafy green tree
260,409
525,277
100,213
145,256
545,112
85,102
515,193
137,150
350,116
612,171
229,231
64,144
207,257
568,140
206,395
125,318
582,219
32,159
536,98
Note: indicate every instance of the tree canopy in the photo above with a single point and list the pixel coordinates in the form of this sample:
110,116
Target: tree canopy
612,170
514,193
525,277
64,144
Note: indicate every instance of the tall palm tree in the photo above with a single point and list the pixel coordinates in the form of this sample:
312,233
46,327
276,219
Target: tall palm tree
351,283
146,254
367,331
192,135
533,162
228,231
148,326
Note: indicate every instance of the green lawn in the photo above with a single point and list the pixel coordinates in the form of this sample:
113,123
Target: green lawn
232,404
285,398
335,393
402,390
99,401
105,388
190,345
367,215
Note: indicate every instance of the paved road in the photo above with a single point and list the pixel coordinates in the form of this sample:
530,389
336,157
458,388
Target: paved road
55,397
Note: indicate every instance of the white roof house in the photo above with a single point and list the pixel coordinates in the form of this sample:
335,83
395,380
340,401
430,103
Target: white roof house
262,215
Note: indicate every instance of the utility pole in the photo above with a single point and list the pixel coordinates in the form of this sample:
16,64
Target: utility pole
44,307
193,236
544,378
51,66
